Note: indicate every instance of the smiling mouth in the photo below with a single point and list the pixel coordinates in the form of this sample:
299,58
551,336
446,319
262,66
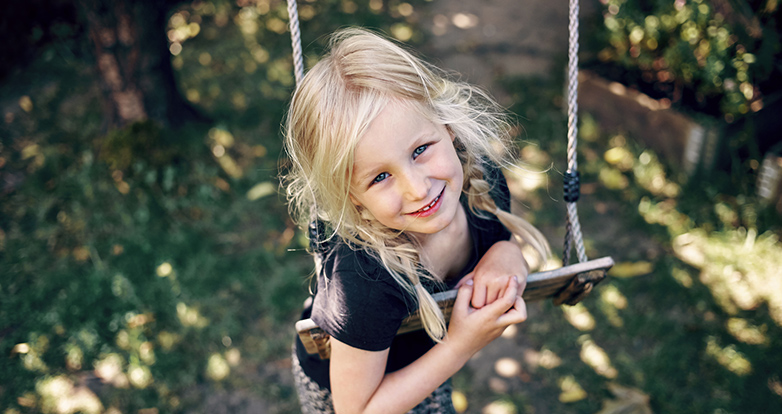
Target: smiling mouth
430,205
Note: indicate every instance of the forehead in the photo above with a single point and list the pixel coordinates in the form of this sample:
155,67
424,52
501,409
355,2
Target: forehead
398,125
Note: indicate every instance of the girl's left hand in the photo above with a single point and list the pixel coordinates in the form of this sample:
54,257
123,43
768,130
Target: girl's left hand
493,272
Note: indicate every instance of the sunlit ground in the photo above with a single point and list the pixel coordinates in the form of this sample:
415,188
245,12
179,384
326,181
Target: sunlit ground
688,320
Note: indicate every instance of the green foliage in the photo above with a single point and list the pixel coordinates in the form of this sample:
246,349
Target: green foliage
237,78
723,51
141,140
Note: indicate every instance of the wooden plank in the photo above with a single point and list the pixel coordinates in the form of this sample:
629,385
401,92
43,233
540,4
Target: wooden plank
549,279
540,285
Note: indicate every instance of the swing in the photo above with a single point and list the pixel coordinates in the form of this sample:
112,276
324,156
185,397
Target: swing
566,285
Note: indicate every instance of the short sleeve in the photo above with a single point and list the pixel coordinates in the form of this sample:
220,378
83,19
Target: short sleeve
357,301
499,186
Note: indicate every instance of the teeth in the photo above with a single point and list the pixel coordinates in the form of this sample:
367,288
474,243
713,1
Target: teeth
430,205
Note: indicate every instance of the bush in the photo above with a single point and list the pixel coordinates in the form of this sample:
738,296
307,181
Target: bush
720,57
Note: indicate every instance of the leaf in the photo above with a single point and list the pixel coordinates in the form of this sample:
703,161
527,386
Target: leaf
261,190
628,401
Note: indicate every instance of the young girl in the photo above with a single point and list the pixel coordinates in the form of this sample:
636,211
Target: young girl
394,168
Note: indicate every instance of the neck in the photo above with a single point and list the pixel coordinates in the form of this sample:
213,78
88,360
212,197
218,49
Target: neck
446,252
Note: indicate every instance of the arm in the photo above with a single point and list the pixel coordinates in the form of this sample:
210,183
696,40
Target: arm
498,265
358,382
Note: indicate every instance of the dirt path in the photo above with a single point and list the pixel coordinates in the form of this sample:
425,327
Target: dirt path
486,40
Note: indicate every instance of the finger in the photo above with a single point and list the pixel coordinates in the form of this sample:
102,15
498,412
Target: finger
501,287
462,303
522,284
502,304
517,314
468,276
521,306
496,292
479,296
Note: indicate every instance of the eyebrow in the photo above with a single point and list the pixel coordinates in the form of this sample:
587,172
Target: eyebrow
362,180
359,179
422,139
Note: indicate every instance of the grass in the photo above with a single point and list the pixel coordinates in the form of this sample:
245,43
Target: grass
147,258
689,319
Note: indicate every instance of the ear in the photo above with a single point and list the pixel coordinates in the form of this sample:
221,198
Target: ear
365,214
450,132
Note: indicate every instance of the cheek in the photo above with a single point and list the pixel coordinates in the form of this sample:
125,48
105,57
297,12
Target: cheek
374,207
388,209
456,169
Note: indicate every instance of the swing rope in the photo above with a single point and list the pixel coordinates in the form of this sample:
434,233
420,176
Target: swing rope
571,178
293,22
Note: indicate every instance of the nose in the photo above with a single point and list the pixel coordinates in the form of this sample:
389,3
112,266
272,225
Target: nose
416,185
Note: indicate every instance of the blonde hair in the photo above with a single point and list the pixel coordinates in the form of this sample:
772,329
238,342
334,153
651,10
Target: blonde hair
329,113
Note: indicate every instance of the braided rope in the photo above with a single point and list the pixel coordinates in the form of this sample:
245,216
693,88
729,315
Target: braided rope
298,60
573,227
566,250
316,230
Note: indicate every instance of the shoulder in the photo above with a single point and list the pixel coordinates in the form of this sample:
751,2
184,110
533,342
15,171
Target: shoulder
345,261
485,228
358,301
499,186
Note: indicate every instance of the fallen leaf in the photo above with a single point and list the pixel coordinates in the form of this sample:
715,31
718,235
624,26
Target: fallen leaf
628,401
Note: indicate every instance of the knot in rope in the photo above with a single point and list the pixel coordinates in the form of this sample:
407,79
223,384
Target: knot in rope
572,186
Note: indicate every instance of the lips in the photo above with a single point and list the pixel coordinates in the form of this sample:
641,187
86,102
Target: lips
430,208
430,205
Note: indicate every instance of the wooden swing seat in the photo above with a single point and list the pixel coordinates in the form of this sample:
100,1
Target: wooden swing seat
566,285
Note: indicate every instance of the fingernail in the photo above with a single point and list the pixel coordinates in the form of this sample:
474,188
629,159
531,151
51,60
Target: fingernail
515,279
469,282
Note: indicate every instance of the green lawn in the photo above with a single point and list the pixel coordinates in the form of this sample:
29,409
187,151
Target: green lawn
690,318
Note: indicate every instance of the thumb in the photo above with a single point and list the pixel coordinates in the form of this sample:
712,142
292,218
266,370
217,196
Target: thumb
463,296
502,304
465,279
517,314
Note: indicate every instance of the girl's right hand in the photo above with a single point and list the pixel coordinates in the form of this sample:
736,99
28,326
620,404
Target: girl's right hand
471,329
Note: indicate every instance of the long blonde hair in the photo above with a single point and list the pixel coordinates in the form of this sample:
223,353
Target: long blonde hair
329,113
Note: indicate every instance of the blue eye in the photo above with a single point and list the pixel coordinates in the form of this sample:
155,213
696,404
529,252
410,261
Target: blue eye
380,177
420,150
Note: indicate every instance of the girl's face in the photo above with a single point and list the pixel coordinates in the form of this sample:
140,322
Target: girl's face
406,173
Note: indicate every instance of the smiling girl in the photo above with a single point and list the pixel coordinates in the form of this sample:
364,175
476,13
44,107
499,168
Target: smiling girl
397,166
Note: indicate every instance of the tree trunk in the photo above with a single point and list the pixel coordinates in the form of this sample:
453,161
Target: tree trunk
134,64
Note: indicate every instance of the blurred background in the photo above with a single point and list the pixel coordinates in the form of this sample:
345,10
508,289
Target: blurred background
148,264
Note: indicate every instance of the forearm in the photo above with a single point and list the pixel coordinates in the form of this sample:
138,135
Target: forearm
358,380
402,390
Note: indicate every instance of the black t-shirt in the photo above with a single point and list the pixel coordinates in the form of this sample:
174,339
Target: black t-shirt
358,302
